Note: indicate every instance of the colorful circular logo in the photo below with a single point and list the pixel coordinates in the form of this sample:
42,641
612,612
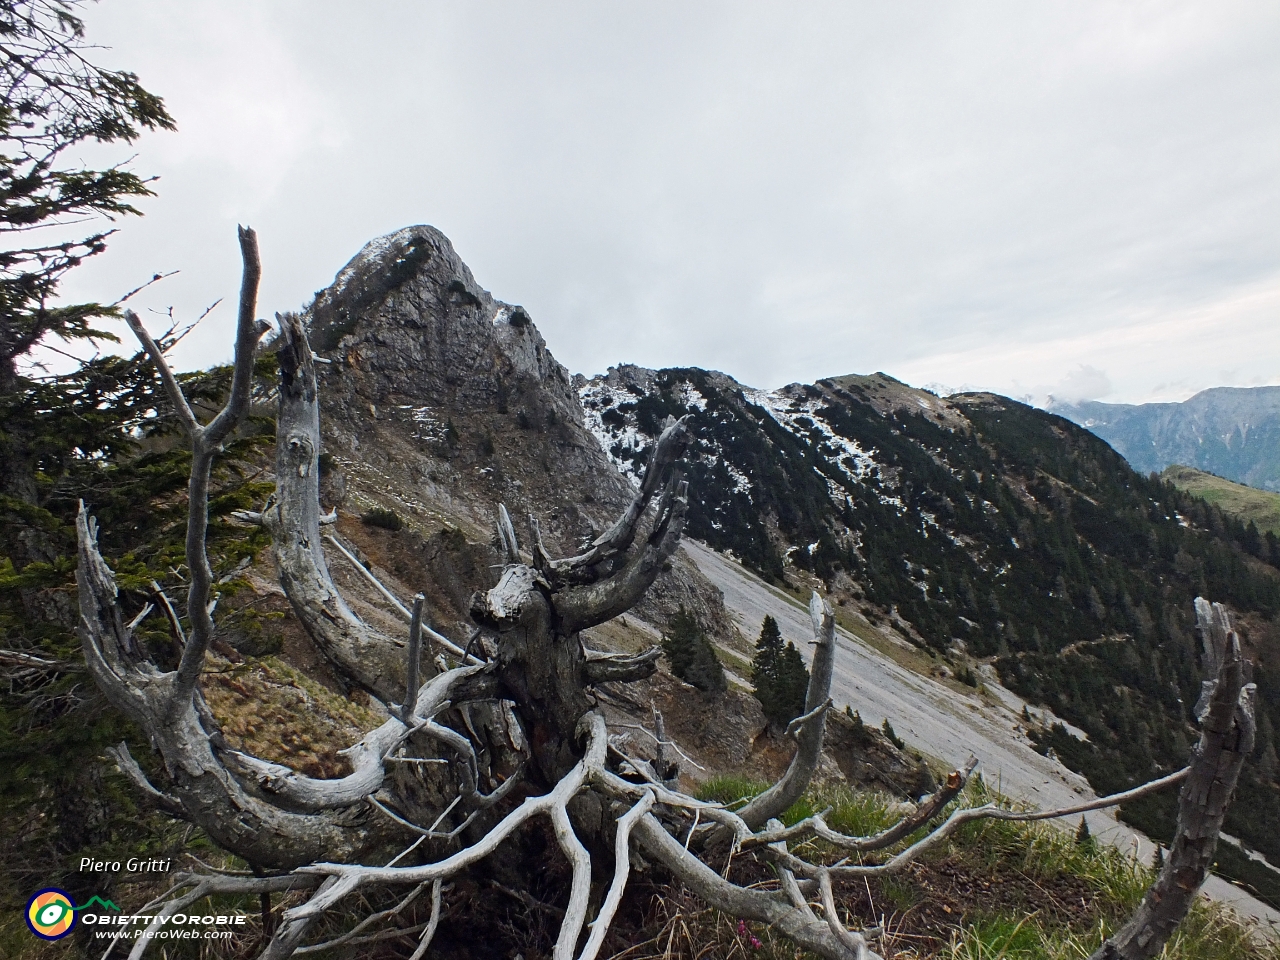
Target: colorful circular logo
51,914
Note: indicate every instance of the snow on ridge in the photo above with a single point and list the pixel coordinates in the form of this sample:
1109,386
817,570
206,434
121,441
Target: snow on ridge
595,399
369,253
847,455
786,411
690,397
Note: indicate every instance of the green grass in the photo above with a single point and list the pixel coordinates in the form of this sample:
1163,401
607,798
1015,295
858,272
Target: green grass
1044,852
730,789
1246,503
1040,856
1207,934
854,813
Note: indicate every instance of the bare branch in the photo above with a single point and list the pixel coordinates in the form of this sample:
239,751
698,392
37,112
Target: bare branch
622,668
156,278
364,924
204,885
797,725
565,790
575,914
249,331
175,625
789,885
296,922
926,811
958,819
854,942
432,924
361,654
507,535
621,869
129,767
1226,738
367,756
205,442
618,539
369,576
600,600
661,742
774,908
171,388
415,644
619,789
400,608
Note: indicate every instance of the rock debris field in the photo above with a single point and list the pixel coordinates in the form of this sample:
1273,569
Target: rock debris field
938,721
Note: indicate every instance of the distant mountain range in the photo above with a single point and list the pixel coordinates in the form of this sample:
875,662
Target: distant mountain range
1233,432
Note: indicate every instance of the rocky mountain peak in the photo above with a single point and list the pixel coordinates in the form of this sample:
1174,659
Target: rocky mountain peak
407,315
439,402
437,391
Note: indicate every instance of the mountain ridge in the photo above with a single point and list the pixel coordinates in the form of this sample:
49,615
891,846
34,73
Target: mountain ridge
1233,432
977,526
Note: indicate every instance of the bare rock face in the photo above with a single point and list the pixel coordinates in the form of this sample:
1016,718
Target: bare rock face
439,402
867,759
435,382
408,314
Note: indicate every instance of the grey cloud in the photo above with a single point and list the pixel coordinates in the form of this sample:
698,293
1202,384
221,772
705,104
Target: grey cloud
779,192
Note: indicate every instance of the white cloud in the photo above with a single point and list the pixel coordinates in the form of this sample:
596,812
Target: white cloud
998,194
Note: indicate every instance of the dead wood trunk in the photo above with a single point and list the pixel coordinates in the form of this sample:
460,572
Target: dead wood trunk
536,612
1226,713
361,655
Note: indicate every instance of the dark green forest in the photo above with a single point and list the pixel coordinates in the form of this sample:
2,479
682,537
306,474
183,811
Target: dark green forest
103,435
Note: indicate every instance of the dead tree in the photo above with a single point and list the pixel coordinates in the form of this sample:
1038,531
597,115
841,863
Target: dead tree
508,730
1227,721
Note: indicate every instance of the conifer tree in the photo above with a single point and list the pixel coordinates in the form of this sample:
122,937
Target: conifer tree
52,100
62,437
891,735
691,655
1083,837
779,675
764,666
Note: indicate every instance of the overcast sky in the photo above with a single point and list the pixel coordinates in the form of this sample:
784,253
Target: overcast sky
1072,198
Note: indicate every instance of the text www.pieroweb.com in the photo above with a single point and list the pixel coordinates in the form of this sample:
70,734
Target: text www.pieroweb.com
177,927
164,934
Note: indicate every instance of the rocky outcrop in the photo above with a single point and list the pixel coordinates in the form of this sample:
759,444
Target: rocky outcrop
439,402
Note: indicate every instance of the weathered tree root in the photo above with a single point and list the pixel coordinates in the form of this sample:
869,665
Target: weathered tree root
523,718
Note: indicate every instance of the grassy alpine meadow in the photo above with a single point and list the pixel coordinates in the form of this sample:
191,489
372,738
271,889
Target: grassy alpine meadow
1249,504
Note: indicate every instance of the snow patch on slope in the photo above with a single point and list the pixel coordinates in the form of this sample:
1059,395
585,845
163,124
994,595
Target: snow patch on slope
597,400
857,464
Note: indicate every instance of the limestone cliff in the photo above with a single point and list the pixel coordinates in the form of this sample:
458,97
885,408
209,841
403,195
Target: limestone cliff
440,402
